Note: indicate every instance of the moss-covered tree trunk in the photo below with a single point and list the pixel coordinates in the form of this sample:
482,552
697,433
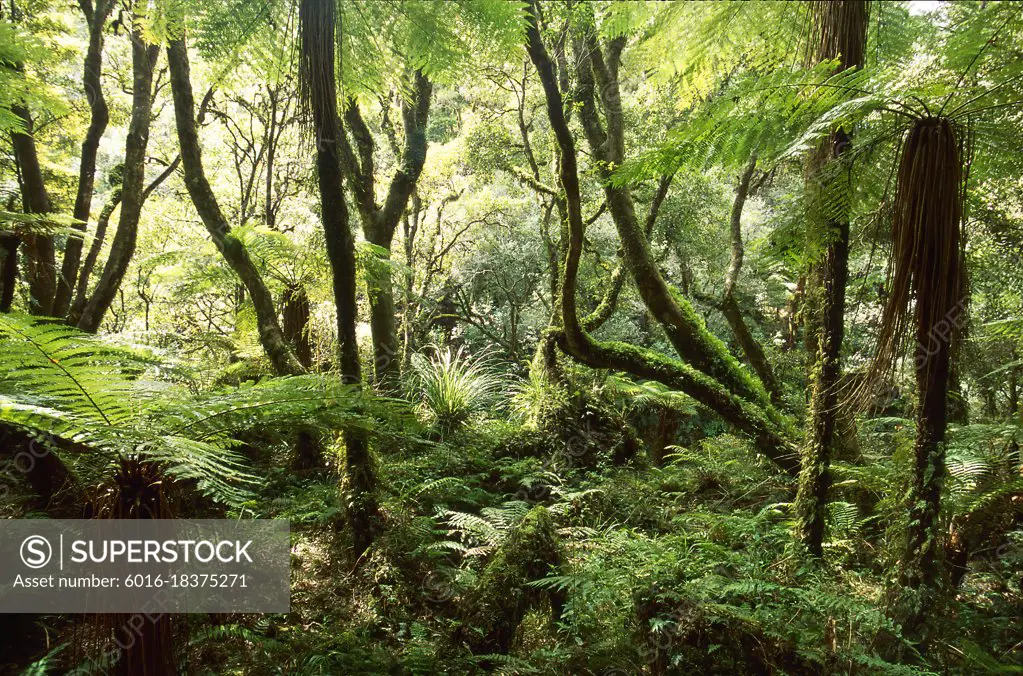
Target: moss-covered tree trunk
295,314
318,26
122,247
841,29
230,247
597,73
379,222
737,396
96,17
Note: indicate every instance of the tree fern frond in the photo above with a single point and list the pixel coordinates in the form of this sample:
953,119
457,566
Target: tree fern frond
103,403
54,362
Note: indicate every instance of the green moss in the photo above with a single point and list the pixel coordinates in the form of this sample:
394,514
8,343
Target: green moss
724,366
532,551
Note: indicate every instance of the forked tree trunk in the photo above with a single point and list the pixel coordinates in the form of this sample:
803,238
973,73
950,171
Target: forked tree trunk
89,264
841,29
746,415
737,397
318,27
379,223
102,223
597,71
98,117
122,248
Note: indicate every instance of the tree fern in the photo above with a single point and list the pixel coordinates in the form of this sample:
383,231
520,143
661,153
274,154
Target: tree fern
101,403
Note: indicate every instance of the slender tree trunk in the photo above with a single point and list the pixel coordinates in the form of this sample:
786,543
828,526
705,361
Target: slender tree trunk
842,31
234,252
410,224
271,154
9,272
793,312
40,255
729,306
122,248
89,264
1014,388
99,116
1014,412
318,27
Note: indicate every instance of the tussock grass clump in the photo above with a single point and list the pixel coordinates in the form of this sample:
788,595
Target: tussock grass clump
451,388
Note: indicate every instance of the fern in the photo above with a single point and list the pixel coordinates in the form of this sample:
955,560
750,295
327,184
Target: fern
481,533
45,665
99,403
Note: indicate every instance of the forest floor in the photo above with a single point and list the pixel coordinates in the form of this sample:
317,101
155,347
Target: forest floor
684,568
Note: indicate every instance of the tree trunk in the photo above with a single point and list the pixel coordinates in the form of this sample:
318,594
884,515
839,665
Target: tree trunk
234,252
842,33
85,273
920,563
383,327
729,307
380,222
99,116
597,73
747,416
122,249
40,256
1014,417
928,272
318,27
295,323
750,347
9,273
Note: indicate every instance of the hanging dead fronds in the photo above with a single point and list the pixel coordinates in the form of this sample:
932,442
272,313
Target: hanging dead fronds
926,267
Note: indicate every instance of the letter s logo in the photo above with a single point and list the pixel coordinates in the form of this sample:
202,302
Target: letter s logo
36,551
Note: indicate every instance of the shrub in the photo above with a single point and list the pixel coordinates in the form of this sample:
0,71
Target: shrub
453,388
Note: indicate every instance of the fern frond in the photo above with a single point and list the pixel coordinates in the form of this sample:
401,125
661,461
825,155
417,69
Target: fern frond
104,404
